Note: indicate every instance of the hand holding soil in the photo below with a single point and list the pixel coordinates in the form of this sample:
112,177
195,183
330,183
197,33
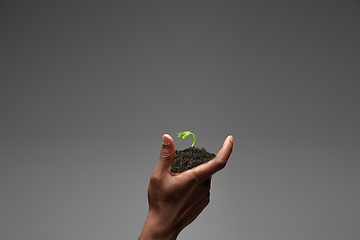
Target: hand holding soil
176,199
189,157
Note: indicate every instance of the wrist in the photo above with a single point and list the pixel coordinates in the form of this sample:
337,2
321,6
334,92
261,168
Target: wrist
157,228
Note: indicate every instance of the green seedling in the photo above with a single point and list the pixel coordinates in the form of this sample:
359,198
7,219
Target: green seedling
185,135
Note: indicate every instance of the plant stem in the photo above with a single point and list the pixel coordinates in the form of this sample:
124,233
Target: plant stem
194,140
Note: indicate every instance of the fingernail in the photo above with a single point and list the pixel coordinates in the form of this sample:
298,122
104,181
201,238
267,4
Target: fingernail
231,138
165,139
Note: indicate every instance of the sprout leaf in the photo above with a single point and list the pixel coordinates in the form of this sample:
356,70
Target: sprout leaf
185,135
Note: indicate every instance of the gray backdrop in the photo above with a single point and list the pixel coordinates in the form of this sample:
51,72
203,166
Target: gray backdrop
88,89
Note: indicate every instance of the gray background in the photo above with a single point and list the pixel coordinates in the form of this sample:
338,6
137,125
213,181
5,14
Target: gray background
88,89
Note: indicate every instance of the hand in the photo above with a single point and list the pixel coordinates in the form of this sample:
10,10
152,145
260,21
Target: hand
175,200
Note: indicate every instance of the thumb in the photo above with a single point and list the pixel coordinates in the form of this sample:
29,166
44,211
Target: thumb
166,155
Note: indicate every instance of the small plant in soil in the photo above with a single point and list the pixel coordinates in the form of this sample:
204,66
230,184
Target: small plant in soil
190,157
185,135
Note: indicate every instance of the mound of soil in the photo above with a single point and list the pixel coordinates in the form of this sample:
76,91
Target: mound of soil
190,158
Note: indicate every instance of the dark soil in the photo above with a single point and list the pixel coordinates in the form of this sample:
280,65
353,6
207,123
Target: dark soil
190,158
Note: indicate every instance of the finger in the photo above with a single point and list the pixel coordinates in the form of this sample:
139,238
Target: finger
208,181
206,170
166,155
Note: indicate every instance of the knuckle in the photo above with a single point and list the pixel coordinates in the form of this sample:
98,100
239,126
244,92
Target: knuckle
208,198
166,155
208,186
155,179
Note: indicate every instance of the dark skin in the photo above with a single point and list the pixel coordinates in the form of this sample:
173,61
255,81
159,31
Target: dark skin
175,200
